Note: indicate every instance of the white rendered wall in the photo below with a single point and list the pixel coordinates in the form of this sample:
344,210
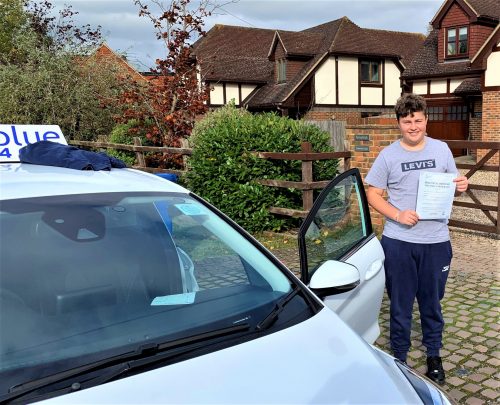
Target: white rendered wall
348,80
438,86
232,92
371,96
246,89
217,94
324,83
392,83
492,74
420,87
454,83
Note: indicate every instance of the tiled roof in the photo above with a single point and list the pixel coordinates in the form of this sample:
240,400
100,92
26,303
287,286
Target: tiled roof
469,86
300,43
273,93
405,44
485,8
230,53
223,57
426,63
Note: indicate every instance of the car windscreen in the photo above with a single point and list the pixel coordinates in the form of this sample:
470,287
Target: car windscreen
86,277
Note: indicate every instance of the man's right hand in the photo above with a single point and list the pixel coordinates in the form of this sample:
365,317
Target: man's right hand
408,217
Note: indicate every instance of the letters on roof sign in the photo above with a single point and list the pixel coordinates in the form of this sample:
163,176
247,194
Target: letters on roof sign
13,137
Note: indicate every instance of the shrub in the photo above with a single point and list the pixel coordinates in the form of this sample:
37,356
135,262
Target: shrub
224,172
124,134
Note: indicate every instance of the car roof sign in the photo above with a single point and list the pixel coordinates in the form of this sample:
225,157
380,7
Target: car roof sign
13,137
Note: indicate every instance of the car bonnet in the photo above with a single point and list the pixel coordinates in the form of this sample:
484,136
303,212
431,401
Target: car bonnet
319,360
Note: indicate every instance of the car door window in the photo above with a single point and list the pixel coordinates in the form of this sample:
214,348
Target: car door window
338,222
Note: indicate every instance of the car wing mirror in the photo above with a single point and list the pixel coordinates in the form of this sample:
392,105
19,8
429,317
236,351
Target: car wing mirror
334,277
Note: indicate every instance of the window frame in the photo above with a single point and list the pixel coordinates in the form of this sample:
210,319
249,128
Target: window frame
456,42
370,62
281,70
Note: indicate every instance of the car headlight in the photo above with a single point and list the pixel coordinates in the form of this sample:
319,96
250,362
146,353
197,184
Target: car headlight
428,392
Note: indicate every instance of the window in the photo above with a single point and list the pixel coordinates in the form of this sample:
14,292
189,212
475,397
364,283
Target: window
456,41
435,113
447,113
370,71
457,113
339,224
281,67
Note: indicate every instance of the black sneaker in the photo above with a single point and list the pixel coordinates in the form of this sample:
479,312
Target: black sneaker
435,369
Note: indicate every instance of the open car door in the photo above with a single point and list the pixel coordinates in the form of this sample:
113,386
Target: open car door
341,258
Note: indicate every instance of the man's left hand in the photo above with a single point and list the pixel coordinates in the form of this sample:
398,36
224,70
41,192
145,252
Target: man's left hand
462,183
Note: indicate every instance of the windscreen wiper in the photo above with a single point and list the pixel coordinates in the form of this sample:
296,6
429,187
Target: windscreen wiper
143,355
278,308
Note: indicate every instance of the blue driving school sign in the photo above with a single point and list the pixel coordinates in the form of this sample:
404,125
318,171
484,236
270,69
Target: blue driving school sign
13,137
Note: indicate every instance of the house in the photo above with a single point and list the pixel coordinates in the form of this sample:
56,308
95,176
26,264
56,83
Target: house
458,71
105,55
335,70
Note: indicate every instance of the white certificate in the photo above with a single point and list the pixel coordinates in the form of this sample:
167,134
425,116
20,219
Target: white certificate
435,195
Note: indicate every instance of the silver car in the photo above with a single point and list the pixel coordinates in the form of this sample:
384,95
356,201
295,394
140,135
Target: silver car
121,287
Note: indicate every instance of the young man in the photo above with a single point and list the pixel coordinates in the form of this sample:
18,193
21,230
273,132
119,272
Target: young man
417,252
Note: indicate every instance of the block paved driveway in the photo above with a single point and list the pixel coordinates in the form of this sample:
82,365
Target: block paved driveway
471,352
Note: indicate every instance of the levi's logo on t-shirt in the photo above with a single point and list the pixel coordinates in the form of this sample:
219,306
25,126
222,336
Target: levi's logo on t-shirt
418,165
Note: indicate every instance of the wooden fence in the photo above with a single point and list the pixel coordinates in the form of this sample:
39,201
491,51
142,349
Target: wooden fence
139,152
307,185
491,149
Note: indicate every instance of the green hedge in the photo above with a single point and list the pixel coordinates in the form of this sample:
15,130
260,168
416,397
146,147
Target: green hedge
122,134
224,173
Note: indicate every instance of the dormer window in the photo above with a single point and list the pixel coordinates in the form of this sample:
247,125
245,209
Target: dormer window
370,71
281,69
457,41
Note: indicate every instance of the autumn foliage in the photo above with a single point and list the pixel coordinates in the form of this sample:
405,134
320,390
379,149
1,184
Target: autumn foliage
169,104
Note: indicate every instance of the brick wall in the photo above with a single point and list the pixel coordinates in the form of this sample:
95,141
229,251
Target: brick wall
475,123
293,67
380,136
491,121
478,36
351,115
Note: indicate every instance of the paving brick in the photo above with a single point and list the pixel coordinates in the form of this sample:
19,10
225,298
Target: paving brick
455,381
493,362
489,393
477,329
448,366
456,394
471,364
463,334
479,357
476,377
455,358
471,387
493,384
474,401
464,352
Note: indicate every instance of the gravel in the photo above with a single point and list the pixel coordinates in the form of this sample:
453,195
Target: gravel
484,197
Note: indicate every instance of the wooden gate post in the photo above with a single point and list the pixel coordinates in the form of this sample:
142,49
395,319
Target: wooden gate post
139,155
307,177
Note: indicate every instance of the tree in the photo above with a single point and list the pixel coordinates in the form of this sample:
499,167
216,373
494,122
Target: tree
49,77
176,96
12,16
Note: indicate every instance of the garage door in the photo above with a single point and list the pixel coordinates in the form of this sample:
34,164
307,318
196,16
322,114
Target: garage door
449,122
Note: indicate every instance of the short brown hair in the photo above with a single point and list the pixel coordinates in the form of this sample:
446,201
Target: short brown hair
408,104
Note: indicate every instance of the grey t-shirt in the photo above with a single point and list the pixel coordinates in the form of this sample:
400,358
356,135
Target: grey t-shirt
397,170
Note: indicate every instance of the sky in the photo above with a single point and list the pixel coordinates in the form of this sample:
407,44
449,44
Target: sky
127,33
